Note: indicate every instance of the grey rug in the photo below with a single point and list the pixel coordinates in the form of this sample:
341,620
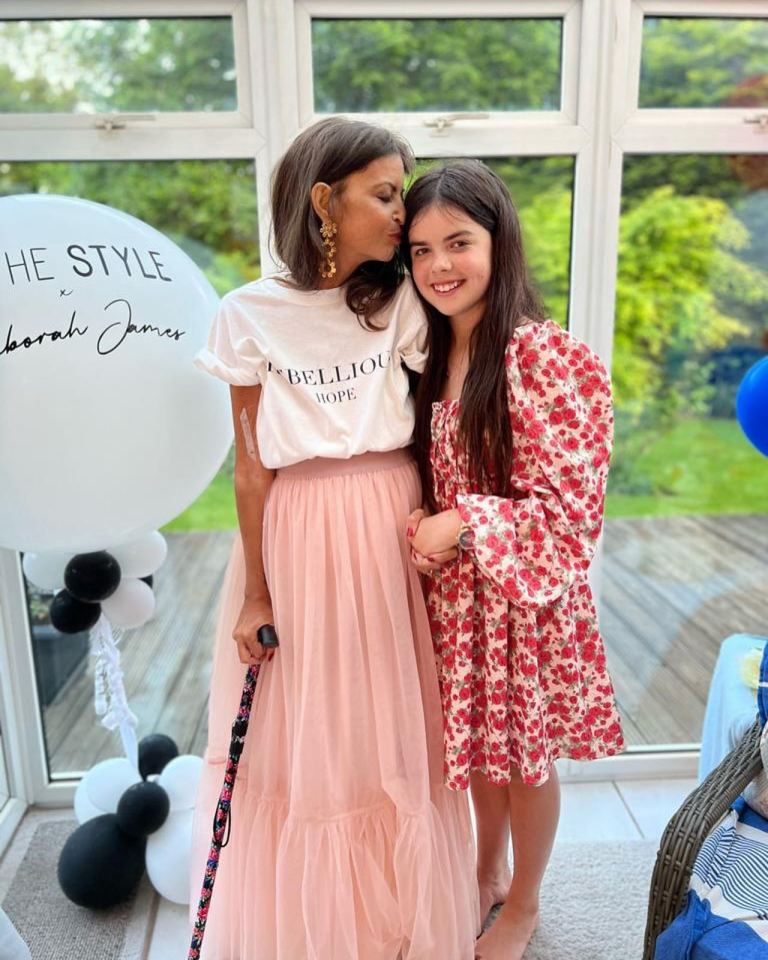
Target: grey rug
54,928
594,902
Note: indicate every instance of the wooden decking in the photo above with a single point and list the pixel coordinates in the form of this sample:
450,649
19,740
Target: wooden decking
673,588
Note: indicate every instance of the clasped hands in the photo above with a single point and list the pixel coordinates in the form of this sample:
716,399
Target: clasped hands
432,539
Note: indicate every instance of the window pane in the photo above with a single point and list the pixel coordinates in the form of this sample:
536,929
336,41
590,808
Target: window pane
704,62
424,65
542,190
104,66
209,209
685,562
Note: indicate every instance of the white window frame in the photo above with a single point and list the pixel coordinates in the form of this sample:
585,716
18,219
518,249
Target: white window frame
550,130
598,124
150,9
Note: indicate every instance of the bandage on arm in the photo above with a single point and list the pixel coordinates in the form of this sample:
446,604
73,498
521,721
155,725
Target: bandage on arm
252,483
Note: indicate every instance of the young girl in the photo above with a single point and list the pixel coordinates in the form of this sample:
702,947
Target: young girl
513,438
345,844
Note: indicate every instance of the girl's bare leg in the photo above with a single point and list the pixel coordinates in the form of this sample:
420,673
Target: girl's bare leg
534,813
494,876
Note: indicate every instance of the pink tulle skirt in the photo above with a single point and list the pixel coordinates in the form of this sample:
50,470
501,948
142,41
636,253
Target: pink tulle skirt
345,845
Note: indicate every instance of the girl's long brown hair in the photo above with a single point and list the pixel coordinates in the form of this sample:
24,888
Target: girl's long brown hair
328,152
484,424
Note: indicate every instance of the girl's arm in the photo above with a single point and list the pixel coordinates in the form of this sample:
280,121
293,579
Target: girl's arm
252,483
534,545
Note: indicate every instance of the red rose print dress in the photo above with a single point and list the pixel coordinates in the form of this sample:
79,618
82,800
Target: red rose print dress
520,658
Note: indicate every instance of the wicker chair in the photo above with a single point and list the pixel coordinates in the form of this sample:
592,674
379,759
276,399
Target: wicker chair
700,812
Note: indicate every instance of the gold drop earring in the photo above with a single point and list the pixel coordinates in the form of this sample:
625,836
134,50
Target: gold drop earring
328,232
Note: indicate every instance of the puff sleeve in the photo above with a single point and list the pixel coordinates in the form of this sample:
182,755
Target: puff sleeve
536,544
232,352
411,345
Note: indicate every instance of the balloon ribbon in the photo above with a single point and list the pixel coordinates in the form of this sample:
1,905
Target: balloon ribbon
110,700
221,818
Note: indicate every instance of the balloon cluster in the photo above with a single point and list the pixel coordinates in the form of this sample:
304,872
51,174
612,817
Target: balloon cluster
130,821
117,582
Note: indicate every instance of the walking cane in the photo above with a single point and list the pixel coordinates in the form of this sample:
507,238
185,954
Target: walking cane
221,819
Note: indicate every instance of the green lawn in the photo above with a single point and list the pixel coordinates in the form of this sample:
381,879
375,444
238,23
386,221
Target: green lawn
700,466
214,509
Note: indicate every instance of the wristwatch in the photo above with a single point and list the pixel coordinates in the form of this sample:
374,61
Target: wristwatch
466,537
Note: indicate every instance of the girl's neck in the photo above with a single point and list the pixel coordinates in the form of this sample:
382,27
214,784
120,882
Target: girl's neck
463,325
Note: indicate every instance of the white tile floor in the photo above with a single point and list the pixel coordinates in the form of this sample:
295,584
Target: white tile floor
604,810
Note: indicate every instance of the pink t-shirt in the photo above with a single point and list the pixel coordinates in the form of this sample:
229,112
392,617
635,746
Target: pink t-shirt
330,387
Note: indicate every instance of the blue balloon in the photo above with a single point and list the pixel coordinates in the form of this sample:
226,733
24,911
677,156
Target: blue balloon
752,405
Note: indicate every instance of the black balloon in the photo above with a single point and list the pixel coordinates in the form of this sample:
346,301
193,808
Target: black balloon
70,615
155,751
100,866
92,577
143,808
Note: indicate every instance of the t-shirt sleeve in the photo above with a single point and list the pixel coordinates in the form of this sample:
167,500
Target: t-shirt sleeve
412,329
232,352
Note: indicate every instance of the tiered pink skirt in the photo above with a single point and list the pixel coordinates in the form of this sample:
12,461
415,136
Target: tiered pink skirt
345,845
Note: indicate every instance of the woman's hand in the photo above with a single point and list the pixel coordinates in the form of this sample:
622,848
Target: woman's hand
254,614
437,526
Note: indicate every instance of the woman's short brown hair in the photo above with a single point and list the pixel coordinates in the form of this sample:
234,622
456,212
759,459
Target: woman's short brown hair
328,152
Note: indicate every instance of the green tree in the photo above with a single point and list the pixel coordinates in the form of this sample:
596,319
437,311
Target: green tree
136,65
448,64
701,61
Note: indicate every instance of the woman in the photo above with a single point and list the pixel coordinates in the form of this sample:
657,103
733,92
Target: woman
345,845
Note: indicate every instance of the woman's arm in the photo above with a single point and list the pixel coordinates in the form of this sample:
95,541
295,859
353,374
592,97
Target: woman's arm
252,483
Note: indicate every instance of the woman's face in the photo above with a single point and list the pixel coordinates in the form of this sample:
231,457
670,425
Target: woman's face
369,213
451,261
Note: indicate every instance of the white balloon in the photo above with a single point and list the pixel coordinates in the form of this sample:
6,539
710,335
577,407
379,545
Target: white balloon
84,808
168,857
107,430
130,606
140,558
107,781
180,779
46,570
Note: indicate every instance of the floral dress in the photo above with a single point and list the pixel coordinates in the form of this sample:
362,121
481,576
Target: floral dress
520,658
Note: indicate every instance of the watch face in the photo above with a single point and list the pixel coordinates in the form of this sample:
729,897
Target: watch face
466,538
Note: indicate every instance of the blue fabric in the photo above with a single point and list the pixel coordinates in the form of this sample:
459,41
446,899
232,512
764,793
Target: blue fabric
762,691
697,934
676,942
749,816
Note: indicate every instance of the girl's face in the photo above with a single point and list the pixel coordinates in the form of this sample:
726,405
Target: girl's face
451,261
369,212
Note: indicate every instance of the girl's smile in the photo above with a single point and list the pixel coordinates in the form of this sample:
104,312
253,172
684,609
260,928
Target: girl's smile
445,288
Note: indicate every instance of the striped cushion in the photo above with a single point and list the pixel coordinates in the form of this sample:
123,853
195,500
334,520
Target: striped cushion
726,915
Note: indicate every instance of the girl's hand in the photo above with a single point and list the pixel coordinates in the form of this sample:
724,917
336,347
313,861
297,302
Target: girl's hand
435,536
254,614
427,566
